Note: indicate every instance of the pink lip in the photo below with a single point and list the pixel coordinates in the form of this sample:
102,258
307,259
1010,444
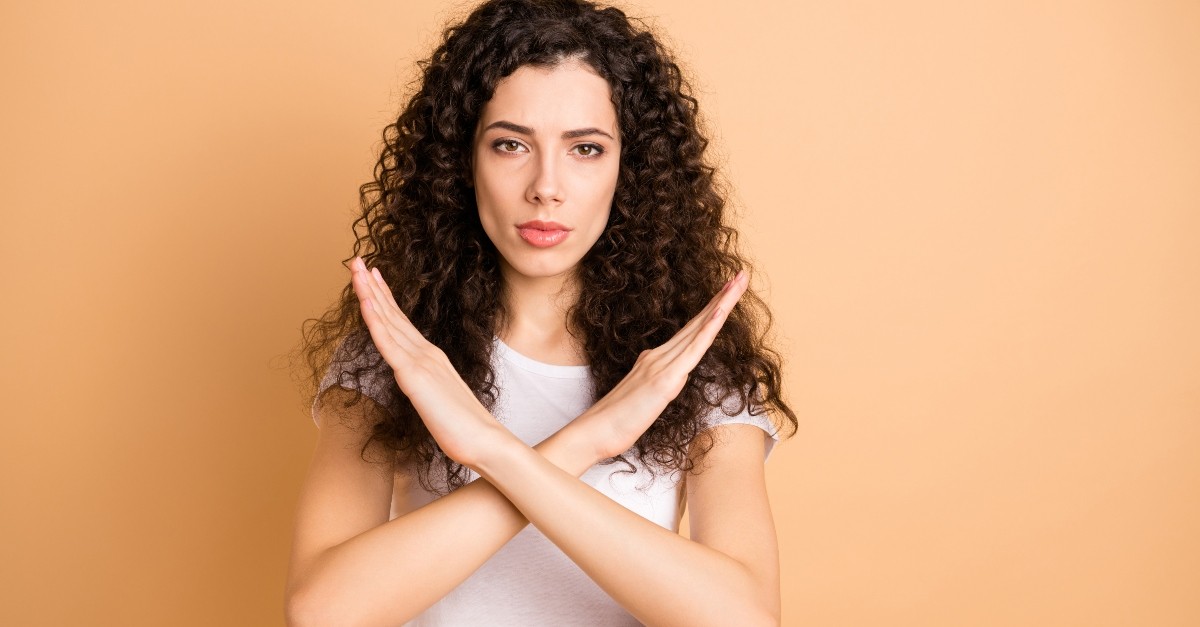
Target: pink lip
543,234
542,226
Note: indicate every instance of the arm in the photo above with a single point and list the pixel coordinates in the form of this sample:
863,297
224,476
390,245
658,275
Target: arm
728,575
352,566
467,433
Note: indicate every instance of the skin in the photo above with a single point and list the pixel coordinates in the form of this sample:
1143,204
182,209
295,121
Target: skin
349,559
540,175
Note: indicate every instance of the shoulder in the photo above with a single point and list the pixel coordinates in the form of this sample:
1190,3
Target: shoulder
737,409
357,365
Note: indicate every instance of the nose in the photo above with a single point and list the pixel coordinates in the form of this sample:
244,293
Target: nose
545,188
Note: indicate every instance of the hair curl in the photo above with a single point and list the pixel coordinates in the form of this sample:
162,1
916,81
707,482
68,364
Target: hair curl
665,251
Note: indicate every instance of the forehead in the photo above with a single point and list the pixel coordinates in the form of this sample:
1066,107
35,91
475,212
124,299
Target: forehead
567,96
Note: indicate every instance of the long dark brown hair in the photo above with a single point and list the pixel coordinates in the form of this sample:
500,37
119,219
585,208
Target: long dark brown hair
667,248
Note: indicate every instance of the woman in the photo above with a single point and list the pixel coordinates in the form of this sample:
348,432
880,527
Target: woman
545,286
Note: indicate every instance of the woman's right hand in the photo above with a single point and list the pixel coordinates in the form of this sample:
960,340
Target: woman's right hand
616,421
462,427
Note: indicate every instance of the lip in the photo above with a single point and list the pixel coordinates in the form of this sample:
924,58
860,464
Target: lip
542,234
543,226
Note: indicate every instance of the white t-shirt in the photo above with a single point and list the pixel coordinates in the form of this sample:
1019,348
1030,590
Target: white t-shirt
529,581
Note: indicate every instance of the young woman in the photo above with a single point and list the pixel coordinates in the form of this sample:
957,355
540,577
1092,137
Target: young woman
547,347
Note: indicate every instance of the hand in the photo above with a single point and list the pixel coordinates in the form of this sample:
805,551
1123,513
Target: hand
658,376
460,424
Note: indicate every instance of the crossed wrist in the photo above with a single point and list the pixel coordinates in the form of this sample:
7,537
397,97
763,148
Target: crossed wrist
599,436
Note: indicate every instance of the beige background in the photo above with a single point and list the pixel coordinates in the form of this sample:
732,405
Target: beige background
977,223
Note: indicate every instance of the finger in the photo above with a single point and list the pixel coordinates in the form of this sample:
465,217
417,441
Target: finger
363,291
385,304
403,323
384,301
393,352
722,299
688,329
369,294
367,297
387,291
691,353
692,347
364,286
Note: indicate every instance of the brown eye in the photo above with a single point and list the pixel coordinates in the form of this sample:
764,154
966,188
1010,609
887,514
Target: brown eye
503,145
592,151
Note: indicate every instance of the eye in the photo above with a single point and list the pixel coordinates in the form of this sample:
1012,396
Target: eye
512,147
503,145
592,150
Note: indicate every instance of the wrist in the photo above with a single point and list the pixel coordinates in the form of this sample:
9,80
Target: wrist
492,445
574,448
596,435
500,452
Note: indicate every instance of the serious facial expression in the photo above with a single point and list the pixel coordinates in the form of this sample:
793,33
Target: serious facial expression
545,163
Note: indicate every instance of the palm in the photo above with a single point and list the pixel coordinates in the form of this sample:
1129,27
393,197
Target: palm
459,423
658,376
447,406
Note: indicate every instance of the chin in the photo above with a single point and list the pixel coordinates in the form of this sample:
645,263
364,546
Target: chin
543,268
541,272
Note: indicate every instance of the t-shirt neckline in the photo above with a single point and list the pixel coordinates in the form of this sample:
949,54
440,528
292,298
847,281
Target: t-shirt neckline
540,367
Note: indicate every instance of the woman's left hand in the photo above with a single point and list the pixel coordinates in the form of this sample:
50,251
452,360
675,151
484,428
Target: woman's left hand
618,419
460,424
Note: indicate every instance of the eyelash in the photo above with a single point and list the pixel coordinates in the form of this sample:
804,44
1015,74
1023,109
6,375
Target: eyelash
597,149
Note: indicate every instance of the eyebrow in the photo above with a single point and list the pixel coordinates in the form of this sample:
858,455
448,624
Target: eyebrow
517,128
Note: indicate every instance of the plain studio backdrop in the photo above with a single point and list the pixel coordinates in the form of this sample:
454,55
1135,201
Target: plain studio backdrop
976,223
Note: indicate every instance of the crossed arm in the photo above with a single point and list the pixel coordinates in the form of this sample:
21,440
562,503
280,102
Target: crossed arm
352,566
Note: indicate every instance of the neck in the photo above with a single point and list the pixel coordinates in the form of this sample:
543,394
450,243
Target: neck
536,320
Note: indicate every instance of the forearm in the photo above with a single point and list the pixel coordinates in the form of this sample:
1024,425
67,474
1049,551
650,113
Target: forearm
395,571
657,575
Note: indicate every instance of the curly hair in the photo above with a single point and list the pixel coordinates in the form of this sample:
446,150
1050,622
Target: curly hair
667,247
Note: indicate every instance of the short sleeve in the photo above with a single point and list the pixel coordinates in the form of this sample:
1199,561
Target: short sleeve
721,416
375,382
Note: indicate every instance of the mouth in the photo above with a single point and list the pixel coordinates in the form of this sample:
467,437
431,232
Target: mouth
543,234
543,226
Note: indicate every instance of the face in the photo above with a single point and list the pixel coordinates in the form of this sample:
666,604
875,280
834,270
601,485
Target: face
545,163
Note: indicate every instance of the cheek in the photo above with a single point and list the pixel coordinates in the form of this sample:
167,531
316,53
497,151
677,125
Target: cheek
611,176
598,182
489,192
598,221
606,194
500,178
